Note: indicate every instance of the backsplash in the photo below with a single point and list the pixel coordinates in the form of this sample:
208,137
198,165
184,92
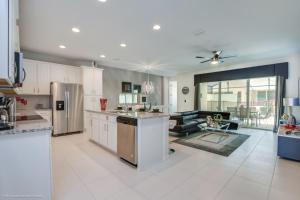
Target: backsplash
33,102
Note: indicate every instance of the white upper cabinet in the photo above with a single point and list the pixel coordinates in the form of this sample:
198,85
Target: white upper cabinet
43,78
98,73
57,73
73,75
9,38
4,55
65,74
30,82
92,81
37,78
39,75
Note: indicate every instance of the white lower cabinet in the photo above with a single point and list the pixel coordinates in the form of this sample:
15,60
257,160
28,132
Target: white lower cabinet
88,124
25,168
95,136
102,129
112,136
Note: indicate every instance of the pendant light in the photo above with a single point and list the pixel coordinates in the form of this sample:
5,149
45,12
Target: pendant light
148,87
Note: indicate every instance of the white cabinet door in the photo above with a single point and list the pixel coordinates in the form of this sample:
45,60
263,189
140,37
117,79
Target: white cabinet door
69,74
98,81
26,166
103,133
43,78
4,39
77,75
57,73
96,129
88,80
92,81
88,124
92,103
89,103
30,82
112,136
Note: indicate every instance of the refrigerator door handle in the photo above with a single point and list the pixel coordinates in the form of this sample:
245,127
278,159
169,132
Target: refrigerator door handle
68,93
66,104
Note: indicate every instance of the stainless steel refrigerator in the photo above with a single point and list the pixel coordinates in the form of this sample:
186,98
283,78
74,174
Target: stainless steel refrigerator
67,108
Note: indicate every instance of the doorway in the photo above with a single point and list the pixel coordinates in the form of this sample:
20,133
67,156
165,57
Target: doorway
172,96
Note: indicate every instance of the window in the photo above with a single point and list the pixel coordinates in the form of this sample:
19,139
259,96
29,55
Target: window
128,98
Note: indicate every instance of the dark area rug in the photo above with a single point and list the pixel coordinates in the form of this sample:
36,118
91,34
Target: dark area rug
214,141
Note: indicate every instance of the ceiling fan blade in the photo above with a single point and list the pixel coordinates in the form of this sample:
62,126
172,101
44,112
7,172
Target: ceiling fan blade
226,57
199,57
218,52
205,61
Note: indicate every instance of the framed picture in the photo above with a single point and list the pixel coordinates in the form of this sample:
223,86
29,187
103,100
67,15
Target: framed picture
126,87
137,88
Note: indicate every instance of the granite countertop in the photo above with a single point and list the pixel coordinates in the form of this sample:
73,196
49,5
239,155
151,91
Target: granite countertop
136,115
293,133
28,126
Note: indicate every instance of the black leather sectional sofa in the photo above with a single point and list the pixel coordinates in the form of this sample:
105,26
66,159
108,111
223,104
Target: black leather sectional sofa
187,122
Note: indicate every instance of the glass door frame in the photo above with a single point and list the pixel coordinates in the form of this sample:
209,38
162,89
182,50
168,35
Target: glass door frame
247,123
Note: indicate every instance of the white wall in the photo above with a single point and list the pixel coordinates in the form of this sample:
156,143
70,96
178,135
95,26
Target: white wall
166,94
187,79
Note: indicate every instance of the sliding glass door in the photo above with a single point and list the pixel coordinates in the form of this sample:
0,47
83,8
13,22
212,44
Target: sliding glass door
251,101
262,102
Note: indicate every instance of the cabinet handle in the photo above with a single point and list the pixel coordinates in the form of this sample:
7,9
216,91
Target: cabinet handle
24,73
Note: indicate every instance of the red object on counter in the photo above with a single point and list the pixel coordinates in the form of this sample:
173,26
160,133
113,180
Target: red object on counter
289,126
21,100
103,104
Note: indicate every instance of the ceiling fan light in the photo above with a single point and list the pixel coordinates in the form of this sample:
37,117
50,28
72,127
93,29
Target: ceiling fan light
214,62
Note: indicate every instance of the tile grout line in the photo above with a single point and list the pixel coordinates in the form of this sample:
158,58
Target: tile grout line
155,175
81,181
270,186
111,172
234,174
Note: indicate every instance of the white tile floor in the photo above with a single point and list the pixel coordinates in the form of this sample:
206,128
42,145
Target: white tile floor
84,171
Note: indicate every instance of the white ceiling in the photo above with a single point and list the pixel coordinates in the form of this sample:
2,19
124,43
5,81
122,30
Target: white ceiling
250,29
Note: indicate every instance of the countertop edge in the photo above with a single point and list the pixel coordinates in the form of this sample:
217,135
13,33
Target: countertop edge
24,131
142,115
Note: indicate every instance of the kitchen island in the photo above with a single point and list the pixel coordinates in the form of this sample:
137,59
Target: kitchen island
25,157
151,135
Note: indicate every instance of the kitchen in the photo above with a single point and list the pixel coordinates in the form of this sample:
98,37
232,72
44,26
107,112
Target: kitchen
44,96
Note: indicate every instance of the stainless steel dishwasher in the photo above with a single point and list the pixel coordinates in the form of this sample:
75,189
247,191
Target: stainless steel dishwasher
127,139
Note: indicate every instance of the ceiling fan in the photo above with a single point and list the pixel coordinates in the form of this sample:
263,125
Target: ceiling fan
216,58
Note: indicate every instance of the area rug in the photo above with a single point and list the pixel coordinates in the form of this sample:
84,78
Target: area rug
217,142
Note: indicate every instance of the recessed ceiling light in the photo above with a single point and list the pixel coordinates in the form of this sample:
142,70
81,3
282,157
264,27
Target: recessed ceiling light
156,27
75,30
102,1
62,46
123,45
103,56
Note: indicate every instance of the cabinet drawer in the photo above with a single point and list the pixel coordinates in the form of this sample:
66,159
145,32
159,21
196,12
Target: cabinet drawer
108,118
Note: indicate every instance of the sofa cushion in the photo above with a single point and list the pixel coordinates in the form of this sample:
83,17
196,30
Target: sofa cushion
189,117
